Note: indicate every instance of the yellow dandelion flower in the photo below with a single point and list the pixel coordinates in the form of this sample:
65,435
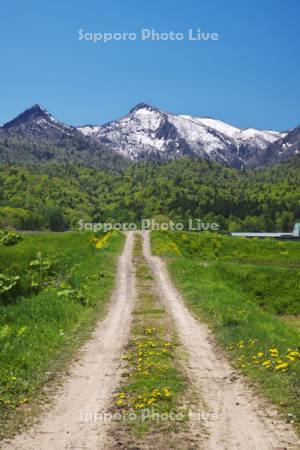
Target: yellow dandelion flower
266,363
167,393
282,366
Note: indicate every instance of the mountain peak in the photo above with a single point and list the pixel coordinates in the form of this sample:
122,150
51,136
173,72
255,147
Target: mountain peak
31,114
37,122
140,106
38,109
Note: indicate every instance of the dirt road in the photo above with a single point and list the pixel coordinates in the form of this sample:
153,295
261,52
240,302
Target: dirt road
92,380
238,420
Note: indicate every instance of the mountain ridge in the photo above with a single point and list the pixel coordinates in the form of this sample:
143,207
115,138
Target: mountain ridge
150,133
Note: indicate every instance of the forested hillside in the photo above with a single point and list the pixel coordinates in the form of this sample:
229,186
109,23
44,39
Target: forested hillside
16,147
58,195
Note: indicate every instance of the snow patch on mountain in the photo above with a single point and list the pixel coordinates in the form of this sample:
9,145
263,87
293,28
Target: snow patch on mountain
218,125
89,130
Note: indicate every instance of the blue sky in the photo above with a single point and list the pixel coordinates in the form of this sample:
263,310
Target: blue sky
250,77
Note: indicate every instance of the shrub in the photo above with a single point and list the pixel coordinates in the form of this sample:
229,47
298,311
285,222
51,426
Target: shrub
9,237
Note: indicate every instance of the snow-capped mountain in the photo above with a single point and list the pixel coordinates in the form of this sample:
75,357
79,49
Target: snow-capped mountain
38,122
145,132
151,133
286,147
35,136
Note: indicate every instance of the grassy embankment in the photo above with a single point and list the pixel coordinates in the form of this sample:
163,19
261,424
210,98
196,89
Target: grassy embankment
248,292
53,288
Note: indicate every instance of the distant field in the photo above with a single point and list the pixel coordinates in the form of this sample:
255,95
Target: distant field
248,291
54,287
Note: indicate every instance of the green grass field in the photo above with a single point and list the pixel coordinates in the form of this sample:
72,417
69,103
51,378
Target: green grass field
248,293
62,282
